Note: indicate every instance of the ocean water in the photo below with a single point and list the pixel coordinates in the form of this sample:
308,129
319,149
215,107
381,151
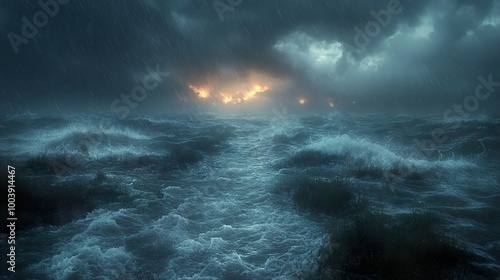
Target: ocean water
195,197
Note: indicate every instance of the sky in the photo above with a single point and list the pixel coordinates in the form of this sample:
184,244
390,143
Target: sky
132,57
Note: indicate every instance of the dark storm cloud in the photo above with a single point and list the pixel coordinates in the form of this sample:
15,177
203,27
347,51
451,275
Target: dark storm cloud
91,52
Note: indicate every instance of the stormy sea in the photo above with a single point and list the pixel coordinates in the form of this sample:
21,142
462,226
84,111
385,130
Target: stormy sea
338,196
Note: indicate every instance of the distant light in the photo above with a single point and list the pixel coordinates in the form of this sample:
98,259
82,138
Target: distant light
330,103
302,101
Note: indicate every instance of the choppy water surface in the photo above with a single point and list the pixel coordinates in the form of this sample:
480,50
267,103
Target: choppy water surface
181,198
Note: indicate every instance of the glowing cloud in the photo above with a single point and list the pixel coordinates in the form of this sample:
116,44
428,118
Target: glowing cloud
239,89
245,94
202,92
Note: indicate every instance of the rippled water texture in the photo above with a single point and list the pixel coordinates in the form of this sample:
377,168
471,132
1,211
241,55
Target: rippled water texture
159,198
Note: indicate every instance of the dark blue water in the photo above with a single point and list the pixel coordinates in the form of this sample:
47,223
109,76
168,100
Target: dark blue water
194,198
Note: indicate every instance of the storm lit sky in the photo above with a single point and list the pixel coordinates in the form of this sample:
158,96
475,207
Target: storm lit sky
207,56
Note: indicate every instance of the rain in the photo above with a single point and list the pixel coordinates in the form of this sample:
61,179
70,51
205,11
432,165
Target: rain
246,139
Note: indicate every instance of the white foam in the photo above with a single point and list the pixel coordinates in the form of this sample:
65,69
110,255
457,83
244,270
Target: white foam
94,251
374,155
69,138
370,153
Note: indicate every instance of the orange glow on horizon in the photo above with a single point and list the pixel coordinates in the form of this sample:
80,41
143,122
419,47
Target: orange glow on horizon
226,98
202,92
302,101
249,86
232,95
241,96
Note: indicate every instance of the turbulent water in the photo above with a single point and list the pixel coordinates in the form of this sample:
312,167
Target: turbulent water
195,198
